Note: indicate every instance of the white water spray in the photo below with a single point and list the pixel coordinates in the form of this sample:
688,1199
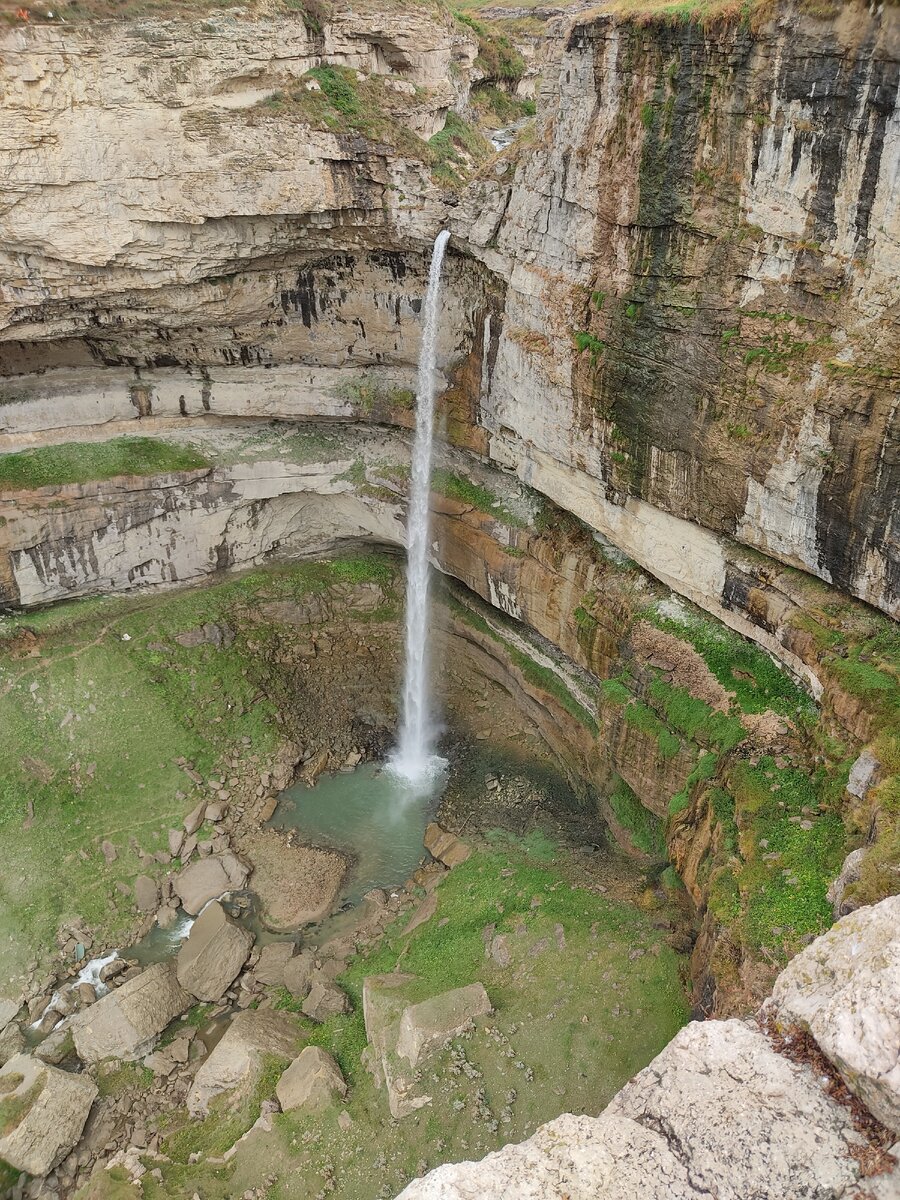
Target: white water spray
414,759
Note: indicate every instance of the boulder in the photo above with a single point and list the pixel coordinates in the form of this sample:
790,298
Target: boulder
385,999
8,1010
12,1042
42,1113
425,1026
202,881
194,819
125,1023
211,957
844,989
445,847
236,1062
273,960
325,1000
56,1047
717,1113
311,1081
176,841
850,872
298,974
146,894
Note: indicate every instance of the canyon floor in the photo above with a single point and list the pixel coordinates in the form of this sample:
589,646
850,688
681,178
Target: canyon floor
133,709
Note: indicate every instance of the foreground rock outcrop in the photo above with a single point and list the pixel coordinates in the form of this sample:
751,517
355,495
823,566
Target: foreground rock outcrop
722,1112
844,989
42,1113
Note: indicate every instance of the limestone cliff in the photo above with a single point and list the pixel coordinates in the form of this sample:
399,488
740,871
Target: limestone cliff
686,316
670,308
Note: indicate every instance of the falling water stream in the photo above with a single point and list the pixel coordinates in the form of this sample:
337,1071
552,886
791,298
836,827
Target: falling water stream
414,760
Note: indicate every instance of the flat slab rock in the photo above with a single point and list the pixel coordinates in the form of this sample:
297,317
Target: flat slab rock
42,1113
717,1113
125,1023
427,1025
235,1063
844,989
295,884
211,957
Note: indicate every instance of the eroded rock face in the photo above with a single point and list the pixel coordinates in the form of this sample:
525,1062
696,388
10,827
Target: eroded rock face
845,990
43,1113
211,958
717,1113
125,1023
237,1059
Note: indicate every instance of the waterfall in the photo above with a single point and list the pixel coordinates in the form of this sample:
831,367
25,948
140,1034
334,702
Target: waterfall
413,758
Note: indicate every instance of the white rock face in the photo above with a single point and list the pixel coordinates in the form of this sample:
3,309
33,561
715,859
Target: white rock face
156,125
571,1158
845,989
132,532
780,514
717,1114
54,1107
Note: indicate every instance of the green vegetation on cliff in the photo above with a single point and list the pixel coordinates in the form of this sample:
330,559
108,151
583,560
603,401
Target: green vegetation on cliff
86,462
643,827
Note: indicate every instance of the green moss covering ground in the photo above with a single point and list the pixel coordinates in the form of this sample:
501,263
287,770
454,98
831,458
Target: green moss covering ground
591,994
792,847
643,827
97,701
82,462
758,683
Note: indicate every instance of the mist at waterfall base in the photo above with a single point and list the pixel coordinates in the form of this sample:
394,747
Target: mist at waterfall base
414,761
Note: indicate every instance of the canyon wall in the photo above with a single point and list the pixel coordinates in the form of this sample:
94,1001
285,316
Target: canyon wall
686,314
670,315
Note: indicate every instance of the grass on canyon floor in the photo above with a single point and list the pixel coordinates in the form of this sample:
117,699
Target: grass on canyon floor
591,993
84,462
97,701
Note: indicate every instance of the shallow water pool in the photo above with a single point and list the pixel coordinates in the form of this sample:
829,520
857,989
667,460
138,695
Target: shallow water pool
368,813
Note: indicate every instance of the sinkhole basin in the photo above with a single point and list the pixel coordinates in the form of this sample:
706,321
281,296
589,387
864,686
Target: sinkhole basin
371,815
